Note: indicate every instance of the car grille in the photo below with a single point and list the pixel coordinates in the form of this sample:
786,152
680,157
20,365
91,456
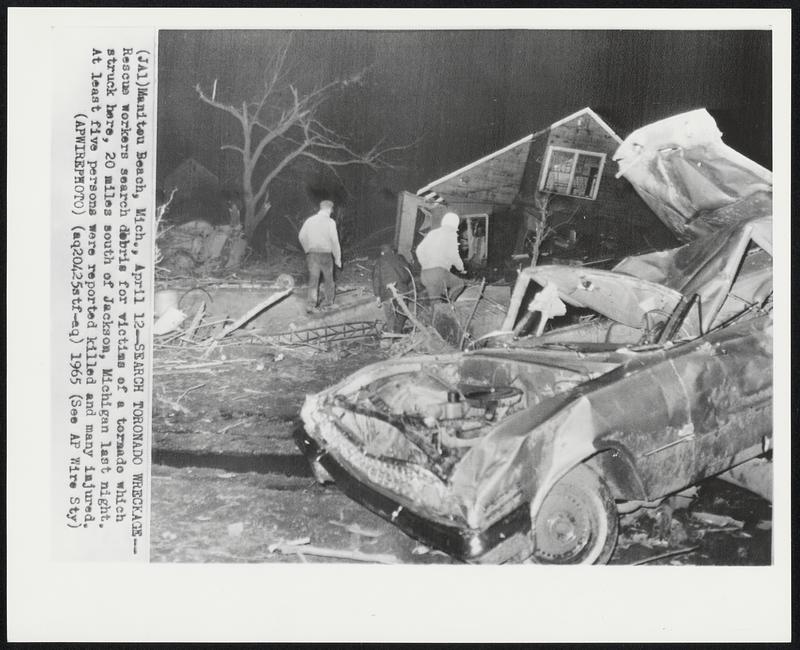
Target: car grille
411,482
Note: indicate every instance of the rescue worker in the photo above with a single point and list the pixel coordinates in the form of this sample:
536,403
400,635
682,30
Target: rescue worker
391,268
320,242
436,253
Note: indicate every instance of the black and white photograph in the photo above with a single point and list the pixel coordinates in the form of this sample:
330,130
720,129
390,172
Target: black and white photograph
422,325
498,328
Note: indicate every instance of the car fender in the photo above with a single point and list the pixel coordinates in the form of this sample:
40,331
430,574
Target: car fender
617,467
614,464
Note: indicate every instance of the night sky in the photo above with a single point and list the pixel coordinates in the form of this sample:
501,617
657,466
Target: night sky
463,94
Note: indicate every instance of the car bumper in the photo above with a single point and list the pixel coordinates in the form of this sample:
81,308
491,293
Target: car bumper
504,540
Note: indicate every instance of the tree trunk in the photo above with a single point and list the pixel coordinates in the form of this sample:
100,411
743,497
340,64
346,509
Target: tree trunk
536,246
254,215
250,217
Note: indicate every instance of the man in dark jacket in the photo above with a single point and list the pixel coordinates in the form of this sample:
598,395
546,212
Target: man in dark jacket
390,267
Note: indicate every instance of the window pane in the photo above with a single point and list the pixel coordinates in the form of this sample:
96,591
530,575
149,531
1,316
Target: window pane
587,170
559,171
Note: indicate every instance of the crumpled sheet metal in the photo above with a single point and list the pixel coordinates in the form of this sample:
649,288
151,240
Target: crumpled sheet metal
665,408
622,298
690,178
706,266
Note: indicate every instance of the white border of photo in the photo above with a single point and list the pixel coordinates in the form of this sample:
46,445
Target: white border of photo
50,601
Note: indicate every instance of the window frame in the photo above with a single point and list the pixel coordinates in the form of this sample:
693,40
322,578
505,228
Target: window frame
576,153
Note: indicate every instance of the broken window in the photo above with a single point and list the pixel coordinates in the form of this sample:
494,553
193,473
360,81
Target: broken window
572,172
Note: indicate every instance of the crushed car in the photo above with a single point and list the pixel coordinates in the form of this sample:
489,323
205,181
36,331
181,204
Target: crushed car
528,446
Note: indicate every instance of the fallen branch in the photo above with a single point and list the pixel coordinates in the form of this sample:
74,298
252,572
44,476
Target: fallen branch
198,316
179,371
356,529
204,364
434,342
414,321
213,344
173,405
235,424
663,556
357,556
721,521
472,315
187,391
197,366
253,312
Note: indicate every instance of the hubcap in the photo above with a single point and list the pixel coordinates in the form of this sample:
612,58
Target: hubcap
564,528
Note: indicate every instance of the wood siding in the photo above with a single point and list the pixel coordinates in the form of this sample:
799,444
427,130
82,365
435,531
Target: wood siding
618,212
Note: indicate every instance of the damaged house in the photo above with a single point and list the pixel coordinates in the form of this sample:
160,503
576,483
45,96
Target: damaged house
560,179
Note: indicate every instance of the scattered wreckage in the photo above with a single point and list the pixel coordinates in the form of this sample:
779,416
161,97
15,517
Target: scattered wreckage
528,447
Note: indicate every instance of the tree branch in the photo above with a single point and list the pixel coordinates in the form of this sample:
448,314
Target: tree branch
262,190
232,147
281,125
225,107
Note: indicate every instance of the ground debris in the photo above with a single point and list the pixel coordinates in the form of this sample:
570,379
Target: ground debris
356,556
198,318
664,556
236,530
723,521
300,541
423,340
356,529
174,405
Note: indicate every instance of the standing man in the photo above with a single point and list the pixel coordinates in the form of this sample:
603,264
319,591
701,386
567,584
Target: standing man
320,241
436,253
391,268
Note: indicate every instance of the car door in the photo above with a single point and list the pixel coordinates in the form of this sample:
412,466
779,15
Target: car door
733,405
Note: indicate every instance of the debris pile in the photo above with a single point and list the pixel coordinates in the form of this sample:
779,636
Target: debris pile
199,246
684,530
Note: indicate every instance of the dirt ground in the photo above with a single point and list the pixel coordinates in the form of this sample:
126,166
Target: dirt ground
229,484
246,398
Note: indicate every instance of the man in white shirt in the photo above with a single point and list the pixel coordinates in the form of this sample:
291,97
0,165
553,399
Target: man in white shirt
436,253
320,241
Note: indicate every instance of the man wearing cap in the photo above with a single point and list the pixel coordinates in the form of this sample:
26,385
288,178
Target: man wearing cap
320,241
436,253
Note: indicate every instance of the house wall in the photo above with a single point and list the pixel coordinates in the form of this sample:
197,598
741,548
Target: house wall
190,177
198,196
617,213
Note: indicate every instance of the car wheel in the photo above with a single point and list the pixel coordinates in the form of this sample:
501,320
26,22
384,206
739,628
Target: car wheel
577,522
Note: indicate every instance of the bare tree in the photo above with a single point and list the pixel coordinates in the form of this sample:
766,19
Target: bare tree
281,126
540,214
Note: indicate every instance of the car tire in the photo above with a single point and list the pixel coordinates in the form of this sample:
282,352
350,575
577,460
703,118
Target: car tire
577,523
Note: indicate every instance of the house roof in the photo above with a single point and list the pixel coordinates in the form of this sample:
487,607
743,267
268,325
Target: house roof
594,116
495,178
192,168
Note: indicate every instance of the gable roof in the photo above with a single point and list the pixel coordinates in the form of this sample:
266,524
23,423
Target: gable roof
588,111
190,170
500,176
